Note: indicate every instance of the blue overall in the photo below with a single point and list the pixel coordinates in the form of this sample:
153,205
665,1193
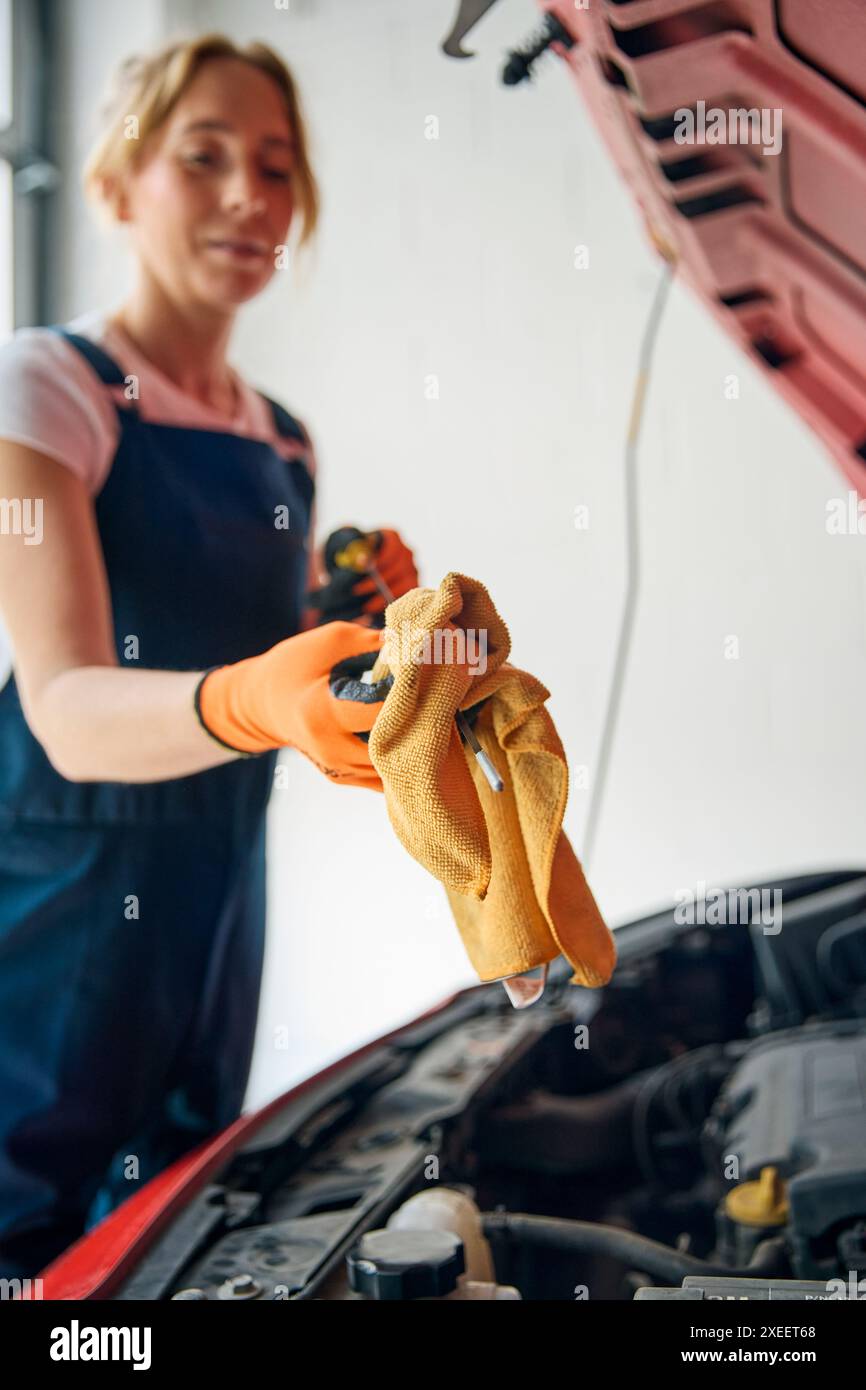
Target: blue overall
132,914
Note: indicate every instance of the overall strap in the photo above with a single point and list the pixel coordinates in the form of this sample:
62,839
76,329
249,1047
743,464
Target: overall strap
289,428
105,367
286,424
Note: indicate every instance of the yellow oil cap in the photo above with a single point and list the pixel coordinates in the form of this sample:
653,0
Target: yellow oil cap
761,1202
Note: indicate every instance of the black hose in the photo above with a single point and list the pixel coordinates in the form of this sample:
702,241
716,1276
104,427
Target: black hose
837,981
713,1059
636,1251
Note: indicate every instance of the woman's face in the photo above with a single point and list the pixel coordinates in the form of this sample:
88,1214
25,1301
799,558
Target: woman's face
211,201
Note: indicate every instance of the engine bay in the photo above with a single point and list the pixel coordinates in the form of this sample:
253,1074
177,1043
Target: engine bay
696,1128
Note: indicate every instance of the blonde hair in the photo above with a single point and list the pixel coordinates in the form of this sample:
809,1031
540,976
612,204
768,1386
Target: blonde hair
149,86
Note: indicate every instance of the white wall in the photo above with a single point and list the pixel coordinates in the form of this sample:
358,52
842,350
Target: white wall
455,257
89,263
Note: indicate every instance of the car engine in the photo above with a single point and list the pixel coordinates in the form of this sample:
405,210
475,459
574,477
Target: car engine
695,1129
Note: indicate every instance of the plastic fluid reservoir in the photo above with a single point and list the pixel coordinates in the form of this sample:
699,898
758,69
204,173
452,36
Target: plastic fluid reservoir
447,1209
432,1247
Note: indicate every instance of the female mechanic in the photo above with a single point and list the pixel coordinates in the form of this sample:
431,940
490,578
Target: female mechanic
170,628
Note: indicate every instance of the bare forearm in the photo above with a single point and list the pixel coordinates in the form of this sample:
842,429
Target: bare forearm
112,724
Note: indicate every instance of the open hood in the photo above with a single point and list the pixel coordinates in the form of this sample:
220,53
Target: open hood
740,127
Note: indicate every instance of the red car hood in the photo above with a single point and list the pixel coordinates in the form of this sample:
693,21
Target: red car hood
775,242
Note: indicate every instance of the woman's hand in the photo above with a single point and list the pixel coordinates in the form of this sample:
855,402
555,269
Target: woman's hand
350,596
98,721
306,693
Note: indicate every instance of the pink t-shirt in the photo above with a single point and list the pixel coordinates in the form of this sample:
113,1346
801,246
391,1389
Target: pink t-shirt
52,400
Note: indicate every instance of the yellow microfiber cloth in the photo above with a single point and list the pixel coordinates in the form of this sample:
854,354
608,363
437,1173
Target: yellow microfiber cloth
516,889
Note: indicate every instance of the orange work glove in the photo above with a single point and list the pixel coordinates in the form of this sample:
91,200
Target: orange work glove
353,596
306,693
396,565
